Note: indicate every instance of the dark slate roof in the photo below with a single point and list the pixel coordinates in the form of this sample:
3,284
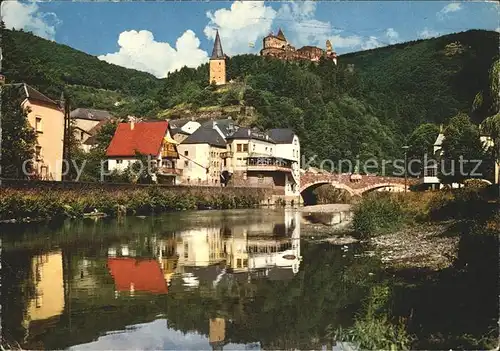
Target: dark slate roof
205,136
178,123
92,114
281,35
226,126
281,135
247,133
217,52
175,131
31,93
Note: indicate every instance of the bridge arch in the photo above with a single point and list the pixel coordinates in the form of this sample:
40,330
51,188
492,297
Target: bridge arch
306,190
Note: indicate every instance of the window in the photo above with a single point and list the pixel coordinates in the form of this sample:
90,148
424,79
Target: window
186,163
38,152
245,147
82,134
238,263
186,153
118,162
238,147
38,124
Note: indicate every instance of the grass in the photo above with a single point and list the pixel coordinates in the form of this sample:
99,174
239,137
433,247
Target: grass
61,203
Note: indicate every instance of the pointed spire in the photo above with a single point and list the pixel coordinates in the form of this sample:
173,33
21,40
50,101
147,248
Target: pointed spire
217,52
281,35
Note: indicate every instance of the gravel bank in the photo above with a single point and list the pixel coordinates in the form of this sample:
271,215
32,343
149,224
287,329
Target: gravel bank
326,208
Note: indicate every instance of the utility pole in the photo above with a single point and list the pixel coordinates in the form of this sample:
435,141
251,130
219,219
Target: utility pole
64,104
406,147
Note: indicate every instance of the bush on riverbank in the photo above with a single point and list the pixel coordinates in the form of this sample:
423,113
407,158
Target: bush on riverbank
41,203
374,329
377,213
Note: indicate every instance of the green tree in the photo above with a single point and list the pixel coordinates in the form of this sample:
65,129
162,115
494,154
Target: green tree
18,137
461,148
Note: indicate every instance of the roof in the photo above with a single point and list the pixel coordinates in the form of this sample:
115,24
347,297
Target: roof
145,275
280,35
217,52
281,135
247,133
174,131
178,123
32,94
145,138
226,126
439,140
205,136
90,113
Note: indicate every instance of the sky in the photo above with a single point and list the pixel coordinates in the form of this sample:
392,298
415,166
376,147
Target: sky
160,37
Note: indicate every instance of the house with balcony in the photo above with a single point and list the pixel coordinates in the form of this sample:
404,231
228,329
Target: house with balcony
200,157
255,158
46,117
151,139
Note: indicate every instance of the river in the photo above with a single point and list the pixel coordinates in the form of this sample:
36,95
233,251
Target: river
238,279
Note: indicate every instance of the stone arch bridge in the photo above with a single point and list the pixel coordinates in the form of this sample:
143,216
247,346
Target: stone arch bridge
354,184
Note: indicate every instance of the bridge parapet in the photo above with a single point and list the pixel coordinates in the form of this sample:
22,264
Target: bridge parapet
355,184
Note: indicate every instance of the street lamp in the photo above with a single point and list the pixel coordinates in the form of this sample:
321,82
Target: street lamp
406,147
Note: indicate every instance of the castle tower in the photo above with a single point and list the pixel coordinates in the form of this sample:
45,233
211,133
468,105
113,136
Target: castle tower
217,63
330,53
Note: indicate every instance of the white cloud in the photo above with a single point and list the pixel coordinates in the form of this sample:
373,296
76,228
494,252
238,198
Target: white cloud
371,43
392,35
139,50
427,33
26,16
451,7
243,23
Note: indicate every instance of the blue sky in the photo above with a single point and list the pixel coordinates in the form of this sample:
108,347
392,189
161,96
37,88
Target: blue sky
159,37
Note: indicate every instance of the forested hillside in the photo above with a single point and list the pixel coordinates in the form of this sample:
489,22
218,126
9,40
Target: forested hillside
366,106
52,68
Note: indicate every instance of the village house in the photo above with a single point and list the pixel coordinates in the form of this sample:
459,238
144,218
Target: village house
200,157
87,122
254,158
431,178
146,139
182,128
46,117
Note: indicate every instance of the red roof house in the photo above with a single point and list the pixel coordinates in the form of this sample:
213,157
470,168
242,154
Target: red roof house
146,138
142,275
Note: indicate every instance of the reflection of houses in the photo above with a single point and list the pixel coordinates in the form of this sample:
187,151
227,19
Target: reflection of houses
217,333
131,274
200,247
47,272
148,139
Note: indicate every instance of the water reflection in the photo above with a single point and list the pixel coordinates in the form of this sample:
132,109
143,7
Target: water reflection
232,279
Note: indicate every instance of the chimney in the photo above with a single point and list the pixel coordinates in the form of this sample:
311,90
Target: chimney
132,124
249,132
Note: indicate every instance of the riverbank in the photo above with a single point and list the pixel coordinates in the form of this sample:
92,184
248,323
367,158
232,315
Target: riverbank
27,205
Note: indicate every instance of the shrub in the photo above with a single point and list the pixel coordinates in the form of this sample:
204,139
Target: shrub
376,214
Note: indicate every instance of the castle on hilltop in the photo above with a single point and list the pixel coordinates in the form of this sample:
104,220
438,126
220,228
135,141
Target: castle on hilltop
274,46
277,46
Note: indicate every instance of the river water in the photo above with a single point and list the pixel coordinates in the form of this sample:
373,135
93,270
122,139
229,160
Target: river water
239,279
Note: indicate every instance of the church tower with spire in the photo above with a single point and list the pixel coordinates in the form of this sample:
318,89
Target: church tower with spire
217,63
